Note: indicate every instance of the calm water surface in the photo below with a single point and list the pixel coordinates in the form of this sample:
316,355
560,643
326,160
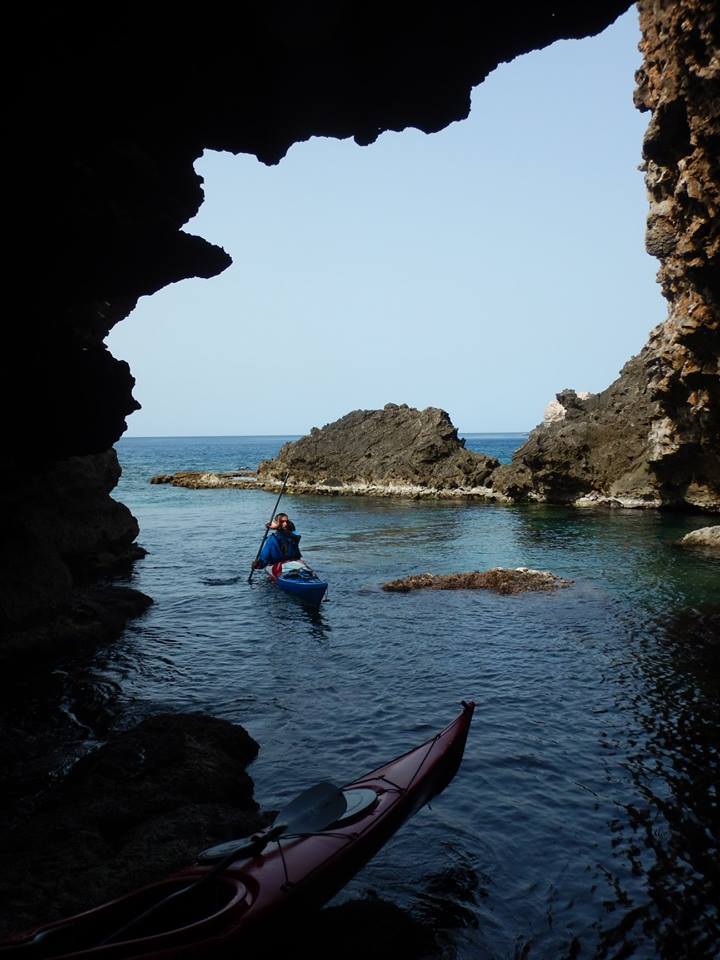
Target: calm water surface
584,820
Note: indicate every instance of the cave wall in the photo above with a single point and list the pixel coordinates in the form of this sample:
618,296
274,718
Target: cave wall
680,84
110,109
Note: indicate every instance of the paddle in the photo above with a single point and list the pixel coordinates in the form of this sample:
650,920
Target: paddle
267,528
310,812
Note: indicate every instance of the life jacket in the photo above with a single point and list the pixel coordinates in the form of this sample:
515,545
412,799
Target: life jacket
280,546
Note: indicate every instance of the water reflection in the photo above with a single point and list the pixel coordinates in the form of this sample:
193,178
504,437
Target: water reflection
320,628
669,834
285,614
583,810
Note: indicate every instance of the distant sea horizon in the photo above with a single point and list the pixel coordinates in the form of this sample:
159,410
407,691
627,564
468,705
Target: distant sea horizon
218,436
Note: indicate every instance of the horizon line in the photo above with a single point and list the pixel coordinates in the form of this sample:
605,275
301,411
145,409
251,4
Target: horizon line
218,436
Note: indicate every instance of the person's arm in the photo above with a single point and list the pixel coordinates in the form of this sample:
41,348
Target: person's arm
269,552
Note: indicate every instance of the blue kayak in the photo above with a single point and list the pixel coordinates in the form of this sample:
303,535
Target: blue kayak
297,578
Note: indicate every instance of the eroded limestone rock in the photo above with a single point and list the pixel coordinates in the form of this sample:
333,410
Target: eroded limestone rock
705,537
499,580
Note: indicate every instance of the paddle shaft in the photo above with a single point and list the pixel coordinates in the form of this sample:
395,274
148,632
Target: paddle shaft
267,528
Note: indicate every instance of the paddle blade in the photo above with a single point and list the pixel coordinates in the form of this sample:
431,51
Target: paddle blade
311,811
314,809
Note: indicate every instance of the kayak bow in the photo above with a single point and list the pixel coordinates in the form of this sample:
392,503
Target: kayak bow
298,579
261,891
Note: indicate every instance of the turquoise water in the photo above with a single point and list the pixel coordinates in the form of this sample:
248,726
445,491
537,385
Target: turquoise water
583,822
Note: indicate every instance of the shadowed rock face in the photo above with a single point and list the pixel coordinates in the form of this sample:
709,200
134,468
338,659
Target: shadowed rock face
62,533
598,450
653,437
135,809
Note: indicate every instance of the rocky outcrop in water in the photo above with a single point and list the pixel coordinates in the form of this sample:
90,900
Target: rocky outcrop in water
705,537
592,449
394,450
499,580
595,453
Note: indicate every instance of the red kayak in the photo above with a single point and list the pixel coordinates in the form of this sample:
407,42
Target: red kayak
227,901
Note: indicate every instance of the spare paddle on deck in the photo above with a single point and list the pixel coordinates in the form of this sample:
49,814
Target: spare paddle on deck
315,808
310,812
267,528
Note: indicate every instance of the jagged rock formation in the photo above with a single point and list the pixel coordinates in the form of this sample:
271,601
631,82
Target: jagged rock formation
580,456
653,437
394,450
585,457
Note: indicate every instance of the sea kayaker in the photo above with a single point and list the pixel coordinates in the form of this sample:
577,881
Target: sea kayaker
281,544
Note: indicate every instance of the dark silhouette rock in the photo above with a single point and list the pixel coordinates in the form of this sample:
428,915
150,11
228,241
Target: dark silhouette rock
63,540
129,813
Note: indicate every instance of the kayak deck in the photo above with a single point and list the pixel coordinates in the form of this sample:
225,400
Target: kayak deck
298,579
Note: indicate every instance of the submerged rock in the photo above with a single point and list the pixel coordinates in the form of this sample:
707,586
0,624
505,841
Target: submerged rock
704,537
499,579
207,480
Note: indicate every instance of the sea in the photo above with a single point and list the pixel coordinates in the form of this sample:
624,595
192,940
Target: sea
583,821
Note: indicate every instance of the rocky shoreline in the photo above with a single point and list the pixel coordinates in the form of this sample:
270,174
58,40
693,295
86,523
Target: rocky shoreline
577,458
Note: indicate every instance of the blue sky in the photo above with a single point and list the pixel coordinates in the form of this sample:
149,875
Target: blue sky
480,269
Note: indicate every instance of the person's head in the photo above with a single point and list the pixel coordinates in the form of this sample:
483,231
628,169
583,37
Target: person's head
284,522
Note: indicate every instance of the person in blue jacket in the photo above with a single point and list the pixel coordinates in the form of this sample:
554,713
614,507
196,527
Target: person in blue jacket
282,543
